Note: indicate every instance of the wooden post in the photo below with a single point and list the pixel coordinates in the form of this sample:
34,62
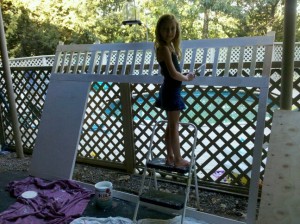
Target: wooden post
128,127
288,54
10,91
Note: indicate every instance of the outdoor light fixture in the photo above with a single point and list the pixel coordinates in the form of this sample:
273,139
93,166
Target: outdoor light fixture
131,13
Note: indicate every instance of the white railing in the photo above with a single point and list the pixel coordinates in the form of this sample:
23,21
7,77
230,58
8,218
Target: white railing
36,61
48,60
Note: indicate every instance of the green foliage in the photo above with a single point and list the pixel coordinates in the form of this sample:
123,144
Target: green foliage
35,27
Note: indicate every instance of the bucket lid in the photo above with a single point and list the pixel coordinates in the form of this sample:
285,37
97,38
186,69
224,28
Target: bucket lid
29,194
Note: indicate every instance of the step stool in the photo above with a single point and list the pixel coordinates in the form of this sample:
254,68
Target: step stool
173,202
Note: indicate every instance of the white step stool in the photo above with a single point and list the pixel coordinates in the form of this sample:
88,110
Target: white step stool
176,202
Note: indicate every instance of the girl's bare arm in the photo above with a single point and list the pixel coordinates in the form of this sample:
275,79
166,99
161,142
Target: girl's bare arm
164,54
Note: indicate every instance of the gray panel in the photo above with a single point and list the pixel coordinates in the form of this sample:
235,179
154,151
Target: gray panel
59,131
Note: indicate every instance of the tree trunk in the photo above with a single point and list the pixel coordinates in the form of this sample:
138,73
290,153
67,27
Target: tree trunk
205,24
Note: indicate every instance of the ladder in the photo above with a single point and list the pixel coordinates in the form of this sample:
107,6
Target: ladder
154,163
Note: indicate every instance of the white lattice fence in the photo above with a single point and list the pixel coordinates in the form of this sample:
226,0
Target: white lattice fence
105,96
48,60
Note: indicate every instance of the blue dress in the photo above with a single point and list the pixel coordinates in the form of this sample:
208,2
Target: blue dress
169,98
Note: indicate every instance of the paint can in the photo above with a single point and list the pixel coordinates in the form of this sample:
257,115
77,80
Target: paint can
103,194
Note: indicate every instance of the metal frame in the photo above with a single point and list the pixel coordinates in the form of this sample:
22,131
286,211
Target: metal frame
192,170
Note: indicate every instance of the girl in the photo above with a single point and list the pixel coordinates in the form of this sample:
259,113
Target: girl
167,47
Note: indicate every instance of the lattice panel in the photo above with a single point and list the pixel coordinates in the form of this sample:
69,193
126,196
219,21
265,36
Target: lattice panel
297,52
6,130
30,86
145,114
223,148
275,89
102,131
277,52
296,90
159,148
143,97
225,119
97,133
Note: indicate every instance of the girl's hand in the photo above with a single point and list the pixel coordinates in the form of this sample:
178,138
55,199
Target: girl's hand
190,76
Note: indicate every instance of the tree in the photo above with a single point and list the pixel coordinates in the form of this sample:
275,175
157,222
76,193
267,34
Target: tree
35,27
251,18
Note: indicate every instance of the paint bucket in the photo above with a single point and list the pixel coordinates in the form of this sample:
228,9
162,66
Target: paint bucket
103,194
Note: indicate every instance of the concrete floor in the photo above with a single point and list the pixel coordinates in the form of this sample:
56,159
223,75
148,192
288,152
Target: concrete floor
5,199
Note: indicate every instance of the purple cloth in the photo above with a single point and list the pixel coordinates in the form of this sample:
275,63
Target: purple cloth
57,202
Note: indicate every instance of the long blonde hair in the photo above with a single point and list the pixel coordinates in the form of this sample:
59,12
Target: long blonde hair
159,40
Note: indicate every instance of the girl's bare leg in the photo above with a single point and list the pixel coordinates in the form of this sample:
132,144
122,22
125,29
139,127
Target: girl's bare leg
173,135
170,155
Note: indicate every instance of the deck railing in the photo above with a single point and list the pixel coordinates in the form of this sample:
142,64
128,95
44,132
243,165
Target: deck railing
48,60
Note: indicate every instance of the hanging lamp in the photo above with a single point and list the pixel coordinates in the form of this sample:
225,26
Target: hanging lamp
131,13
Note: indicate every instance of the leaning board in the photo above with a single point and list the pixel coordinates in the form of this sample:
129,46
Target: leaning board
281,188
59,131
